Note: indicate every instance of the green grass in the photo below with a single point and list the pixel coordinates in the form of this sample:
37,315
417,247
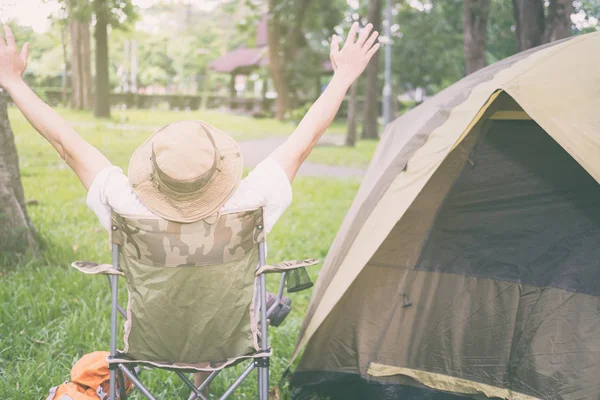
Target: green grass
51,314
146,121
359,156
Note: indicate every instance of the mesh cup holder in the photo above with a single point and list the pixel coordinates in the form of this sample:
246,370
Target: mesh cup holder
298,280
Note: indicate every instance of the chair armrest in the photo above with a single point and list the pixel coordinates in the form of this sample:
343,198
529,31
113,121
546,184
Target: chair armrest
286,266
92,268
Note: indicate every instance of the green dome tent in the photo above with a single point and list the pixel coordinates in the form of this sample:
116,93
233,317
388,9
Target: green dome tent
469,262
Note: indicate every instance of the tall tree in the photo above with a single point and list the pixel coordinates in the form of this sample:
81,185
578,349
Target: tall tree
370,129
558,21
351,118
276,61
283,46
76,17
65,71
530,23
102,103
81,68
297,30
440,62
115,13
17,233
475,21
535,27
501,41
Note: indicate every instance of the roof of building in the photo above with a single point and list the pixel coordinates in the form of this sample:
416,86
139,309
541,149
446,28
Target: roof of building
240,58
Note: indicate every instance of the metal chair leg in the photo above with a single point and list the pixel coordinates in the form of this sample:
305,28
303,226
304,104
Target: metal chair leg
122,388
139,385
263,387
279,295
238,381
260,382
113,385
120,309
196,392
263,370
114,289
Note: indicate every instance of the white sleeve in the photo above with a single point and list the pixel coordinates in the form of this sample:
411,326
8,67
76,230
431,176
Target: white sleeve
268,186
111,190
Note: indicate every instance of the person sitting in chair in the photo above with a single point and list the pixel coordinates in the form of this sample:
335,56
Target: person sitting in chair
188,170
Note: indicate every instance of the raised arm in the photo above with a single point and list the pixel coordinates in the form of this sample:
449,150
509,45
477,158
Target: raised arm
83,158
348,63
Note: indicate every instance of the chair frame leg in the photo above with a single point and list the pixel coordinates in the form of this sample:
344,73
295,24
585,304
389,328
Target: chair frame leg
114,289
197,392
136,382
120,309
238,381
122,388
279,295
263,370
208,380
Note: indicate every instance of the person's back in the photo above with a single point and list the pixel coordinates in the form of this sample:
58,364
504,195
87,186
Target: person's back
185,172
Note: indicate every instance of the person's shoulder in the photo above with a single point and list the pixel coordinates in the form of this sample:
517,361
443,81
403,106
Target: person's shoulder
268,169
104,178
266,185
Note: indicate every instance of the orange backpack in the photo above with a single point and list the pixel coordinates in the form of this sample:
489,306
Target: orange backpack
90,380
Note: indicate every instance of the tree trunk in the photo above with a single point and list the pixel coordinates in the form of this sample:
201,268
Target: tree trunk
558,21
17,233
279,56
102,103
86,67
81,73
292,44
276,62
76,78
370,129
530,23
63,41
475,18
351,121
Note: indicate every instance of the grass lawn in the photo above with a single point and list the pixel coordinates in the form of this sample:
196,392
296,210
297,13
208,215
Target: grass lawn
239,126
51,314
358,157
139,124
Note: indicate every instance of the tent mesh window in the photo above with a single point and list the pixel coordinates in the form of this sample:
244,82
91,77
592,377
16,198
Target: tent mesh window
522,210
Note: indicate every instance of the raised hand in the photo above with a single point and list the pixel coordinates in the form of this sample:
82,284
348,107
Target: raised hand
349,62
12,63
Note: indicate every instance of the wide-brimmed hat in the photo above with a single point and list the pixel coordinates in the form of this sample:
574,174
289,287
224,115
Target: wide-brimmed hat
186,171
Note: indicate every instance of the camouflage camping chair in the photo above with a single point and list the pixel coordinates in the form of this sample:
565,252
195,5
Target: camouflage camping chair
197,297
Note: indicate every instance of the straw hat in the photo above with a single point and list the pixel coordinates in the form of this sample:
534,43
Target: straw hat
186,171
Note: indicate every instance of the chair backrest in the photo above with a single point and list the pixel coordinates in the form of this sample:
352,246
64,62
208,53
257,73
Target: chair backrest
191,286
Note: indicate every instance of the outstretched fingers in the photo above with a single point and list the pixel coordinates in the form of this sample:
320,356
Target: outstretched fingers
352,34
372,51
364,34
25,53
335,50
10,39
335,44
369,43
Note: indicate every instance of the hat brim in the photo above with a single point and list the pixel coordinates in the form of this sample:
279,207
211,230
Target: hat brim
196,206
